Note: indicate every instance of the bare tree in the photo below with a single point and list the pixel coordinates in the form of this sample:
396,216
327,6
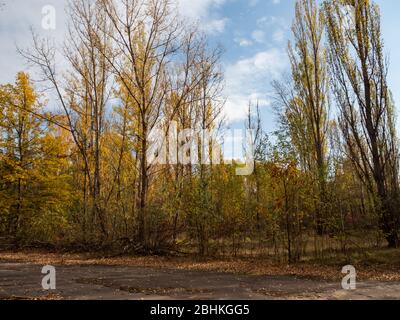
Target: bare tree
83,94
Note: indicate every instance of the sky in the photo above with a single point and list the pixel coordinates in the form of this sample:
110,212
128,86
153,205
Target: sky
253,33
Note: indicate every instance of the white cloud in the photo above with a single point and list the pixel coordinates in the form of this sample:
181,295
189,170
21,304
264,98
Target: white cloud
196,8
215,26
248,80
200,10
268,21
258,36
276,25
253,3
243,42
279,35
268,62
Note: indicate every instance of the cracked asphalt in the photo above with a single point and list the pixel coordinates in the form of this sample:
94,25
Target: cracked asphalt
97,282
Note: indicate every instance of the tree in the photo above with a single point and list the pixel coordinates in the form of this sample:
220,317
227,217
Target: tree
34,188
145,36
359,71
305,101
87,95
258,147
83,96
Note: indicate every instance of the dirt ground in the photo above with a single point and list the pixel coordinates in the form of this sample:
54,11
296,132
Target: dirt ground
101,279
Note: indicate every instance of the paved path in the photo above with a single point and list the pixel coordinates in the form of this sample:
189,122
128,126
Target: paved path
20,280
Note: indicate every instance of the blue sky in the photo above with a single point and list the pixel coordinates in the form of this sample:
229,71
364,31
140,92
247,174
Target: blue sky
254,34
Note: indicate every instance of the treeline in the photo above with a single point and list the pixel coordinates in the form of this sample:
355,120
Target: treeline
327,180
